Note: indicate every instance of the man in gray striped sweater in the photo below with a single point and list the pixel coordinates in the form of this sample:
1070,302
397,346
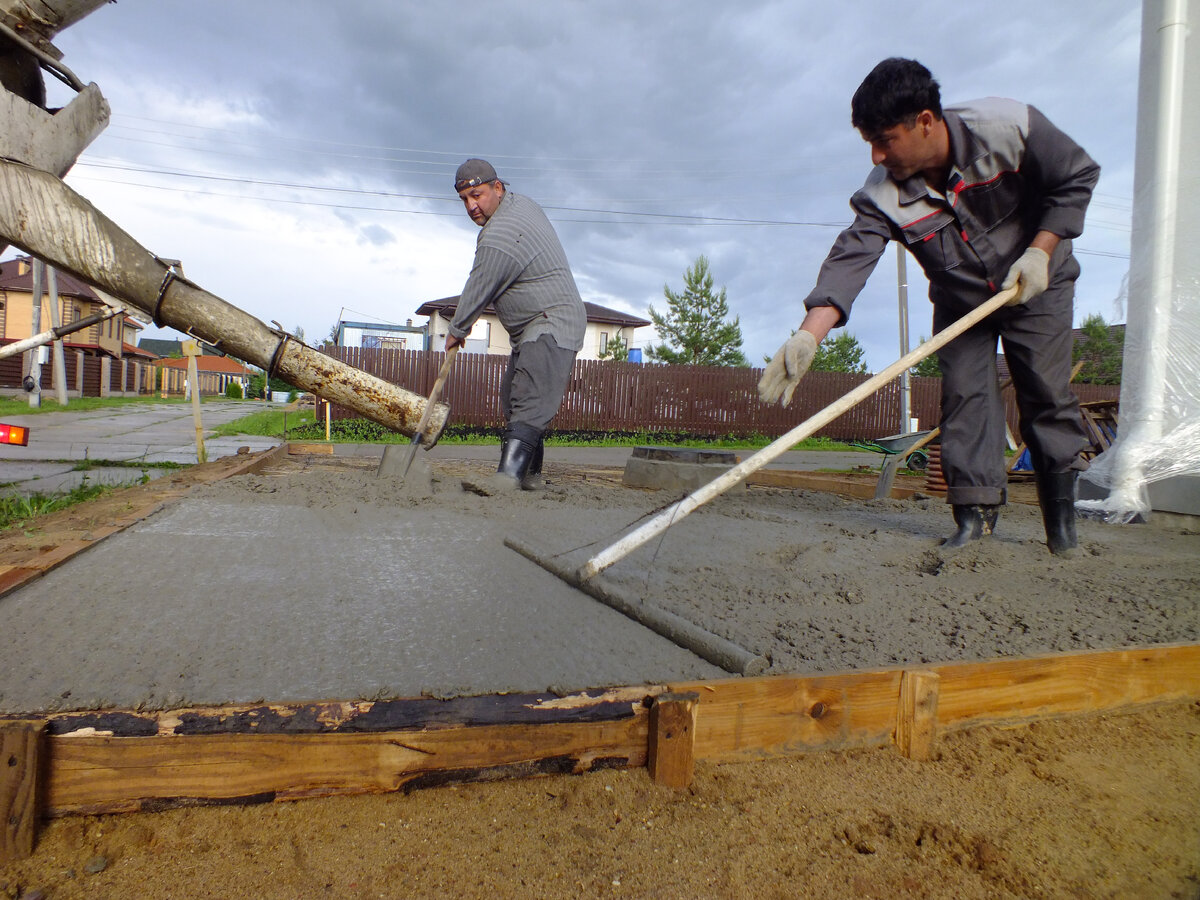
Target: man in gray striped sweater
522,272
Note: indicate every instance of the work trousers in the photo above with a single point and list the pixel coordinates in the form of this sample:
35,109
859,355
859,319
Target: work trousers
1037,343
533,386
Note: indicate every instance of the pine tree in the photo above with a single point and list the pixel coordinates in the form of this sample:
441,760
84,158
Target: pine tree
841,354
928,367
616,350
693,329
1102,352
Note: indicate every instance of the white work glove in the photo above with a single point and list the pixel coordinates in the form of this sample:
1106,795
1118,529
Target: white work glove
1031,272
787,367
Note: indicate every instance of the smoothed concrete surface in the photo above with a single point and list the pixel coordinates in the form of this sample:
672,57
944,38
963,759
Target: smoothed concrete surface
212,602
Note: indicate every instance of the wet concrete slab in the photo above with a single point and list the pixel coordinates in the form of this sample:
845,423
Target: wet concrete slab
212,602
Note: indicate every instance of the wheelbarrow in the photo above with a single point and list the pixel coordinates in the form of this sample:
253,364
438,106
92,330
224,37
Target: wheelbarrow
898,448
900,445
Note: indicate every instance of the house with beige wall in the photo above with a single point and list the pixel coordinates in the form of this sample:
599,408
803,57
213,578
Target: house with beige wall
100,360
115,337
488,335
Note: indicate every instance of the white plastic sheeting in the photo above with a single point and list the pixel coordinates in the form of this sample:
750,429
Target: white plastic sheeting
1159,423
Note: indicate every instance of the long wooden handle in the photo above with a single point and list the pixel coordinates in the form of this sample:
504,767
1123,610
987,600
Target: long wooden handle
742,470
433,394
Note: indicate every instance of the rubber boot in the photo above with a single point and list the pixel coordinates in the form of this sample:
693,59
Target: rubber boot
1056,496
515,459
973,521
533,480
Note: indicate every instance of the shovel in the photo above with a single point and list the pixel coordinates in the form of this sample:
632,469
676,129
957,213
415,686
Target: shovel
411,452
672,514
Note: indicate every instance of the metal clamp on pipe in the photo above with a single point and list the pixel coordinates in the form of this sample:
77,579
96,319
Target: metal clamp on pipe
273,365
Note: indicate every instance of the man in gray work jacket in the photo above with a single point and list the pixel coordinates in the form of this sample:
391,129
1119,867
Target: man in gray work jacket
521,270
986,195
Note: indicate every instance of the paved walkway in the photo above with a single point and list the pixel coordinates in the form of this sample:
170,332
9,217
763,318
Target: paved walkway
143,432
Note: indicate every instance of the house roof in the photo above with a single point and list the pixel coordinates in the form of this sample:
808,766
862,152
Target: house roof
129,350
595,312
67,285
222,365
13,279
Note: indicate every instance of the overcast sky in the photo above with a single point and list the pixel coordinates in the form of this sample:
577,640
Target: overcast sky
297,156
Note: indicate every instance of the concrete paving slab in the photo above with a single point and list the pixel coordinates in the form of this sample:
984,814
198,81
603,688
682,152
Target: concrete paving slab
236,602
143,432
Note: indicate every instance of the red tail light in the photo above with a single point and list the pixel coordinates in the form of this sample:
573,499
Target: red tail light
14,434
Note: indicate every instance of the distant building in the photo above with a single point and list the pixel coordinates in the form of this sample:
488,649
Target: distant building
381,336
489,336
215,374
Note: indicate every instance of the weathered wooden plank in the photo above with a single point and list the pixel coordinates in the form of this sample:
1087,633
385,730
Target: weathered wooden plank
342,716
92,774
19,745
916,714
671,746
781,714
778,715
294,449
1093,681
847,486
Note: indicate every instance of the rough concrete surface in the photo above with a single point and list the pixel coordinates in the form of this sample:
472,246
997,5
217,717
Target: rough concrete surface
324,580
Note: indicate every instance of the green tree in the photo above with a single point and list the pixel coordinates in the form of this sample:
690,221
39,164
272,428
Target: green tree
1102,350
841,354
928,367
693,329
616,350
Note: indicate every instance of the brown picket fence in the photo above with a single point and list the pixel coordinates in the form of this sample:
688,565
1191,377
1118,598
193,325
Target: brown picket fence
606,396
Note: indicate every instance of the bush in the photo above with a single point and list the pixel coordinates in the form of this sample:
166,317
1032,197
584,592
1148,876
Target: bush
233,391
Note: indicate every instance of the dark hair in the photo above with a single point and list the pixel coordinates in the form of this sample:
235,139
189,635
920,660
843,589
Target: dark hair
895,92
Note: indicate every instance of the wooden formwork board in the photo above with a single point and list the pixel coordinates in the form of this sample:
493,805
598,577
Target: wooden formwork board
774,715
125,760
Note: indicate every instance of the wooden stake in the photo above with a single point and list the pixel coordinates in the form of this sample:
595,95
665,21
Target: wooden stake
191,349
916,715
19,741
672,739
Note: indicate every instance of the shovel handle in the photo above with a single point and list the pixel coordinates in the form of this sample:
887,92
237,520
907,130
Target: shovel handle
434,392
672,514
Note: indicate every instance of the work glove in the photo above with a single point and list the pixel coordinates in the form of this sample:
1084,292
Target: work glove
787,367
1031,272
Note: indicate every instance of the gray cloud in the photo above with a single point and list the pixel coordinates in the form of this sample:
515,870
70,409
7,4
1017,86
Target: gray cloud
605,113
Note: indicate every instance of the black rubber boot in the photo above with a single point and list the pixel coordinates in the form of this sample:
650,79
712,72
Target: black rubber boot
533,480
973,521
515,458
1056,496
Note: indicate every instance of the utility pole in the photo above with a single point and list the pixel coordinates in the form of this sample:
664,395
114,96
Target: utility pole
33,364
905,384
60,366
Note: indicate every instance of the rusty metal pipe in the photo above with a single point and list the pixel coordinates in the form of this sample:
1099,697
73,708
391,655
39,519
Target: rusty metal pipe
46,218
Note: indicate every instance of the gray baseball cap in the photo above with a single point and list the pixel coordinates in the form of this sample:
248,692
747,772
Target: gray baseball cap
473,172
